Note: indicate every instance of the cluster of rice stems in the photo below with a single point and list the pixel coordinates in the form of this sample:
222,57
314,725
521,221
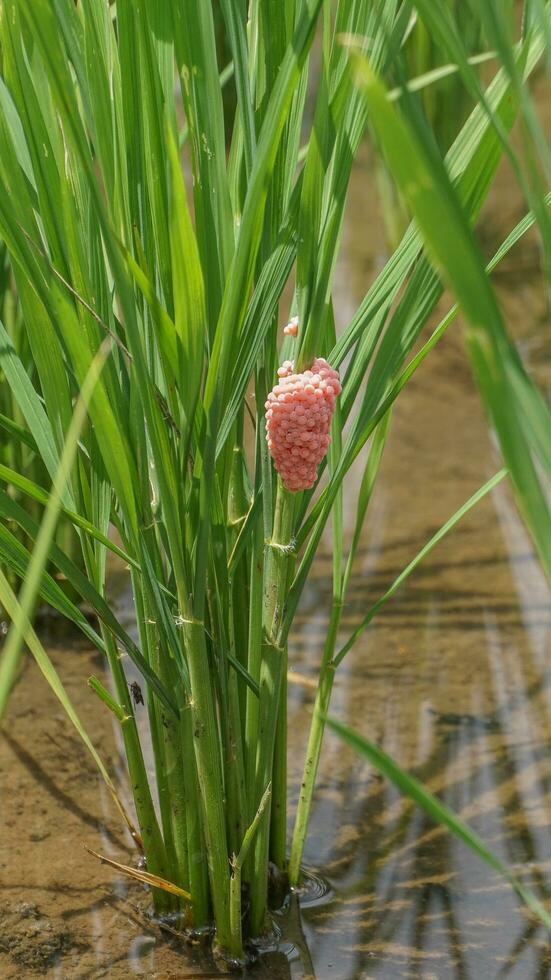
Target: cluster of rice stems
157,299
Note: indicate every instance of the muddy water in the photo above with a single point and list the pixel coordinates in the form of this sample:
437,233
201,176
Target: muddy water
453,679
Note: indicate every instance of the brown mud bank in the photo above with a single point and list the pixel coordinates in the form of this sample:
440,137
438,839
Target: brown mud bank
453,678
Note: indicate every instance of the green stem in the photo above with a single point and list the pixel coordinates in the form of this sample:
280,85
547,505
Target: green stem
152,839
278,815
163,791
235,790
155,715
235,905
174,768
253,665
279,552
153,843
238,508
313,752
237,863
197,860
209,772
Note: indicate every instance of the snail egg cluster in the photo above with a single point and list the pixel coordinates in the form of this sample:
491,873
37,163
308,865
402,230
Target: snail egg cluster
299,410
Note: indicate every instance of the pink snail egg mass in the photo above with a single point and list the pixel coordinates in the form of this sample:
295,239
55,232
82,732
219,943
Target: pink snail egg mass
298,418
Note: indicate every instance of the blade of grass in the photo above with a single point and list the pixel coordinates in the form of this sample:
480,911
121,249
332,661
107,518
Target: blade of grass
14,643
32,490
15,612
19,560
439,812
29,403
413,564
154,881
425,184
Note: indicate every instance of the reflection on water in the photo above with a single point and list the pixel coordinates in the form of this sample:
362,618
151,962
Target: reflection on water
453,679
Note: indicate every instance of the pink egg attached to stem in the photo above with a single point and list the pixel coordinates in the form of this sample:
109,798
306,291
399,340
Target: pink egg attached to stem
299,410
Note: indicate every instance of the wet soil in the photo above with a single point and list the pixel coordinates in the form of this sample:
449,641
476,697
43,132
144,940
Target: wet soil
453,678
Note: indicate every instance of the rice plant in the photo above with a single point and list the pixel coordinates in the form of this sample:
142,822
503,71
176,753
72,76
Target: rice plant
155,241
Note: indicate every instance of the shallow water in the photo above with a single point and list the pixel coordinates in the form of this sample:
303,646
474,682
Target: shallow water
453,678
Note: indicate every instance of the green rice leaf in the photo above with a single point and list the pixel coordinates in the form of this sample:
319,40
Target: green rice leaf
412,565
428,190
29,402
37,493
45,665
438,811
